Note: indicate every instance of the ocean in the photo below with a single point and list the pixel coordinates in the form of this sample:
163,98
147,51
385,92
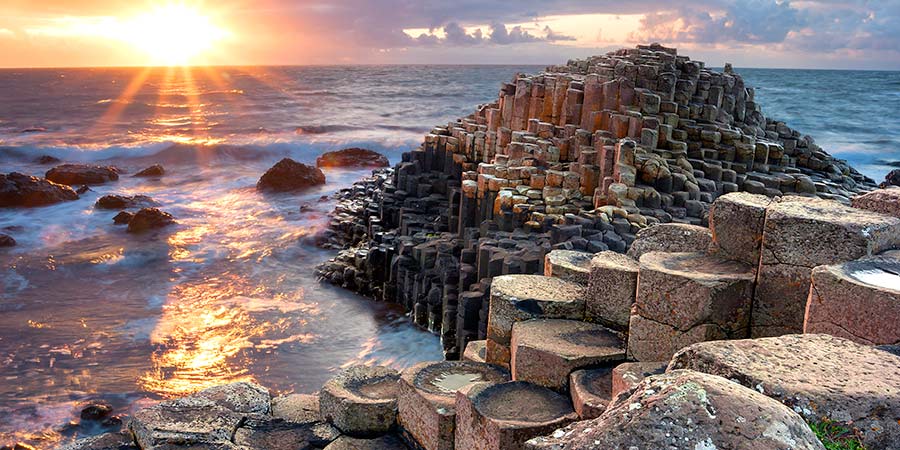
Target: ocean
90,313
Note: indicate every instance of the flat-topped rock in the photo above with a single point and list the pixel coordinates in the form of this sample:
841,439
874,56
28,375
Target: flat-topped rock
611,289
77,174
627,375
475,351
516,298
266,433
817,375
388,442
503,416
106,441
361,400
687,410
568,265
546,351
297,408
800,234
684,298
591,391
189,421
884,201
670,237
736,221
241,397
427,398
857,300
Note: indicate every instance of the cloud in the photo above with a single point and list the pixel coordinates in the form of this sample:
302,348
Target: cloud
553,36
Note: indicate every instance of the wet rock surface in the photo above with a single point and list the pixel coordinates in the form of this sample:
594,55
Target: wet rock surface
115,201
155,170
148,219
685,409
821,377
17,189
352,157
72,174
7,240
289,175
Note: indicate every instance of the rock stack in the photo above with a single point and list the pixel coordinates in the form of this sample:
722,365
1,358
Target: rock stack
585,157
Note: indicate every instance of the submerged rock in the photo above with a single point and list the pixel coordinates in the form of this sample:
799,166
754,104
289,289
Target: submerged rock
47,159
18,189
148,219
123,218
7,240
290,175
155,170
72,174
97,411
352,157
115,201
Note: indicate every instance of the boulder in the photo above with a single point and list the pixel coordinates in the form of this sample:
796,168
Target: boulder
684,298
819,376
670,237
591,391
7,240
546,351
106,441
475,351
800,234
387,442
361,401
297,408
857,300
884,201
627,375
155,170
427,398
352,157
516,298
72,174
891,179
503,416
611,289
96,412
149,219
114,201
17,189
568,265
290,175
265,433
123,217
683,409
737,221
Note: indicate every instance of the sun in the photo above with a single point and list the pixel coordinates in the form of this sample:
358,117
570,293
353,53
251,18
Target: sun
173,34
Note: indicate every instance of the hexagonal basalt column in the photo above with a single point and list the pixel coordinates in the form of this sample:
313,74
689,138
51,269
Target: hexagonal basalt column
475,351
857,300
361,400
427,398
737,222
546,351
569,265
515,298
800,234
591,391
670,237
684,298
611,289
504,416
627,375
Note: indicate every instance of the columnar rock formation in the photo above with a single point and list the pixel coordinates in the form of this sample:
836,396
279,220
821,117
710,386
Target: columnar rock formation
579,157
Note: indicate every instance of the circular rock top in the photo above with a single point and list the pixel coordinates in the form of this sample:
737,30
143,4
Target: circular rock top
446,377
365,384
698,266
518,401
883,273
537,287
568,337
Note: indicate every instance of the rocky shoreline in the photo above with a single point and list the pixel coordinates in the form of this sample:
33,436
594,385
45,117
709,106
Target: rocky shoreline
622,252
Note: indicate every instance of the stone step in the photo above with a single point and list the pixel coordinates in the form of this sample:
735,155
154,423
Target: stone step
590,391
516,298
684,298
504,416
670,237
546,351
611,289
475,351
361,401
569,265
736,221
821,377
857,300
800,234
627,375
426,400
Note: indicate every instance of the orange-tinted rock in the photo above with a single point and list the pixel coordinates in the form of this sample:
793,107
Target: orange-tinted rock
17,189
290,175
72,174
352,157
884,201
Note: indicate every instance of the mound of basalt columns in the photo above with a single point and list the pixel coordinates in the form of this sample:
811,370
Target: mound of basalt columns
857,300
17,189
75,174
568,265
516,298
504,416
361,401
683,409
591,391
427,399
684,298
819,376
671,238
546,351
627,375
611,289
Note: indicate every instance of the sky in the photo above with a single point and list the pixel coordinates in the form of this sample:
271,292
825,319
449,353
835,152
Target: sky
840,34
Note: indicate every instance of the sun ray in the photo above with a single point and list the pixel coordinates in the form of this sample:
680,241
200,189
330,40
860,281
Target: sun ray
117,106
